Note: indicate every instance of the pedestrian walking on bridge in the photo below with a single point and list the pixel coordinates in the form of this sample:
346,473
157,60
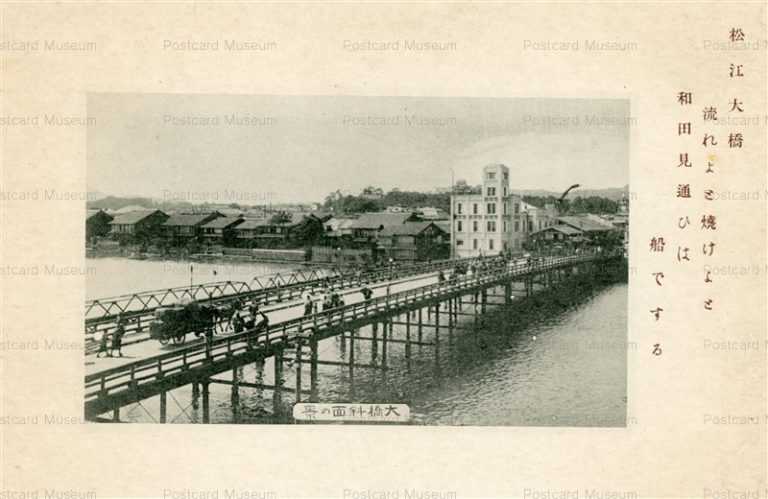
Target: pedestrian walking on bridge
117,337
102,338
308,306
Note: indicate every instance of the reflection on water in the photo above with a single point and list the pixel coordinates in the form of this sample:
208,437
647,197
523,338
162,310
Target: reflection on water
537,366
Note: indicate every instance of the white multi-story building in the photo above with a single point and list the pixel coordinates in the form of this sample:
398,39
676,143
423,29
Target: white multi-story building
494,220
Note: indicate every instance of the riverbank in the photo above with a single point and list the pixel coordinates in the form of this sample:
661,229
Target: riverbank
298,256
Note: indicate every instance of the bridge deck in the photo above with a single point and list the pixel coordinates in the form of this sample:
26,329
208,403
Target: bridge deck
138,308
139,345
144,378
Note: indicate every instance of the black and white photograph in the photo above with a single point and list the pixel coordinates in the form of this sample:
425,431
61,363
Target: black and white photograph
359,260
383,250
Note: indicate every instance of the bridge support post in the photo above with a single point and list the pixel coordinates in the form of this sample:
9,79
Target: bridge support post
235,394
450,320
116,414
258,366
206,402
408,335
420,325
483,301
298,370
456,309
313,369
507,293
351,356
437,334
375,341
163,407
195,395
277,393
386,327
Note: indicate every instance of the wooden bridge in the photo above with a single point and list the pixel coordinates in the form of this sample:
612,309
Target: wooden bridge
111,389
138,308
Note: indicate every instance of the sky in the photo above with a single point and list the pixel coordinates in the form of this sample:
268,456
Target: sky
258,149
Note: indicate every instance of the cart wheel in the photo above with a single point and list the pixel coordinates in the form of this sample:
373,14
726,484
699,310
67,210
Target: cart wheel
164,340
180,339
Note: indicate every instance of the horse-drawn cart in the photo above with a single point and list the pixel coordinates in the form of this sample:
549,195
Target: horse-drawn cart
175,322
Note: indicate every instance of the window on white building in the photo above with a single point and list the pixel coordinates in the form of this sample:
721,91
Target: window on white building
491,208
474,226
458,226
490,244
458,208
491,191
491,226
474,208
474,244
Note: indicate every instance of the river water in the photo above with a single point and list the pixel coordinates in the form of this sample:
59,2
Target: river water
113,276
534,365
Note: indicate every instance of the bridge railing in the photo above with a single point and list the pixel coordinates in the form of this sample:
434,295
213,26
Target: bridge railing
138,309
157,367
144,300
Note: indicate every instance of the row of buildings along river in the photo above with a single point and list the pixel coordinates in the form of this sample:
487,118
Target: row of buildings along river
486,220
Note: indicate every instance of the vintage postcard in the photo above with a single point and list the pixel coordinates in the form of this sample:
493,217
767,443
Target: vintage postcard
383,251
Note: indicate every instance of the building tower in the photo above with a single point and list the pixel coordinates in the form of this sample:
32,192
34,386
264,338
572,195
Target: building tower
495,190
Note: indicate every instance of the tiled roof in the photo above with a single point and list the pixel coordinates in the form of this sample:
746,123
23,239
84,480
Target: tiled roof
132,217
564,229
406,229
323,216
377,220
295,217
93,212
187,219
584,223
252,223
222,222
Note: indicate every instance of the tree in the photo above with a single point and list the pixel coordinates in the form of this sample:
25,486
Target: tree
461,187
280,218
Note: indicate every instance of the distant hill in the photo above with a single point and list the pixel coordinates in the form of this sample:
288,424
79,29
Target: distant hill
612,193
115,203
112,203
